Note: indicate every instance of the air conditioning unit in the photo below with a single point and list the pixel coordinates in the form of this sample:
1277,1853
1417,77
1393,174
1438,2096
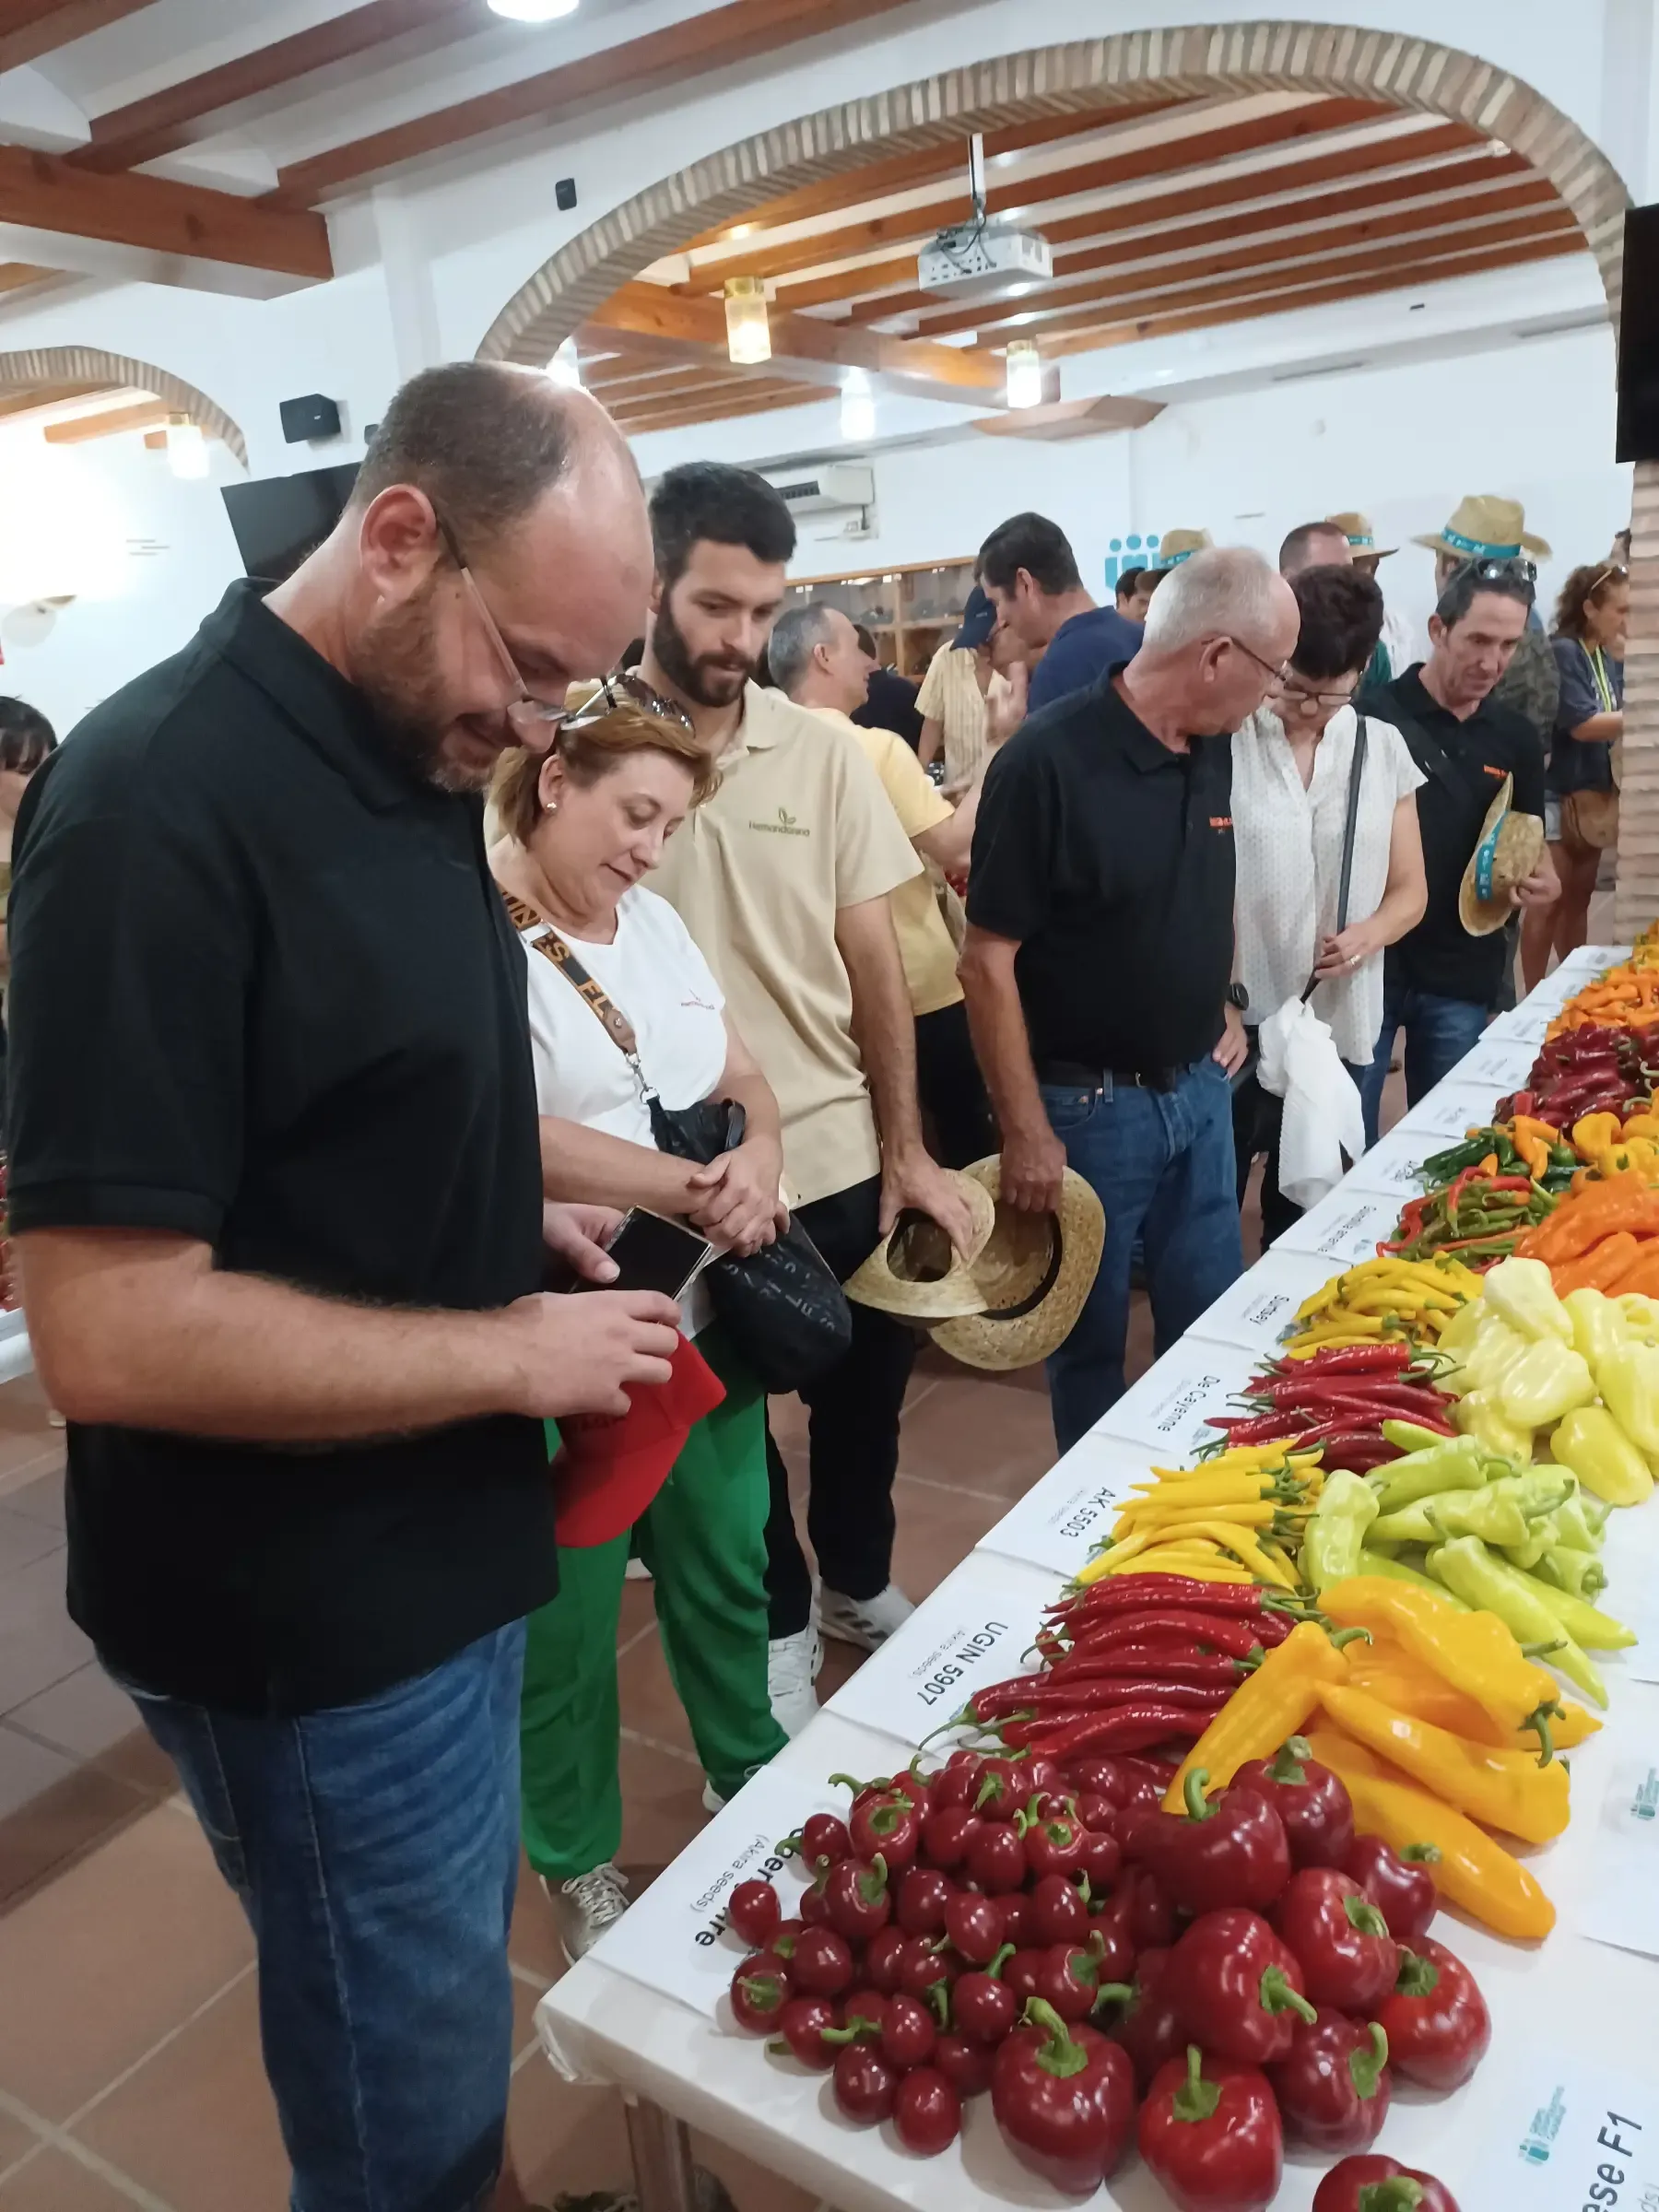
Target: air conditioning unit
835,487
984,261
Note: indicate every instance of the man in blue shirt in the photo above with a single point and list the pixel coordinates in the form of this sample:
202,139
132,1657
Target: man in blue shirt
1029,574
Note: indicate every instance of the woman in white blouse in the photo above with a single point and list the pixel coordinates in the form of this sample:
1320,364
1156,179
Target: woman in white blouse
582,829
1294,768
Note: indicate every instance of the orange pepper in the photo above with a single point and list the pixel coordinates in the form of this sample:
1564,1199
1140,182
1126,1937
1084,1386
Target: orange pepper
1601,1267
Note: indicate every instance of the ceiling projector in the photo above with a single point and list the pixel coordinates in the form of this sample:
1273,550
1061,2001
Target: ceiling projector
984,261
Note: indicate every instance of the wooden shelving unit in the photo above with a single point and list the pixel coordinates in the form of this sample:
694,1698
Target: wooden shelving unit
910,611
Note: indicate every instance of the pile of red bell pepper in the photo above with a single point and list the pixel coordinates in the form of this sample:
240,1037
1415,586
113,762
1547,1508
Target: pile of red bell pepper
1591,1070
1205,1984
1339,1400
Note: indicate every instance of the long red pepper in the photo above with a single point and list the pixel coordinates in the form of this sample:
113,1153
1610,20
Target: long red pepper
1131,1593
1351,1360
1237,1638
1091,1693
1129,1728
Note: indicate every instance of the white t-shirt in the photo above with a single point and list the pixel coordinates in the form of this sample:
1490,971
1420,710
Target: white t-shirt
655,975
1289,842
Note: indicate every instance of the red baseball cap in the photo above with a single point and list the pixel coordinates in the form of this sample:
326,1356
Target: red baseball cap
612,1465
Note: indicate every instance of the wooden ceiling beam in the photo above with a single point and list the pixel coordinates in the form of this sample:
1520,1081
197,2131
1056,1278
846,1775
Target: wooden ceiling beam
29,29
1154,289
187,224
1243,303
80,429
686,418
718,38
1526,214
1225,191
181,114
659,321
906,172
1193,149
23,400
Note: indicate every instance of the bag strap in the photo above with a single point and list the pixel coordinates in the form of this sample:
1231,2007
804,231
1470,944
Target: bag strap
552,946
1349,831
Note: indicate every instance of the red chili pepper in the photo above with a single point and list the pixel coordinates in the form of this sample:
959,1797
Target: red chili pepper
1132,1727
1373,2184
1209,2131
1207,1631
1398,1883
1360,1358
1435,2019
1338,1938
1312,1802
1333,2084
1236,1985
1065,2101
1227,1851
1258,1428
1125,1593
1358,1457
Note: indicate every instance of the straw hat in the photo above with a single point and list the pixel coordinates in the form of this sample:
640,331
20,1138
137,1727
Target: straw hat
1176,545
1362,538
1510,847
1033,1277
914,1271
1494,529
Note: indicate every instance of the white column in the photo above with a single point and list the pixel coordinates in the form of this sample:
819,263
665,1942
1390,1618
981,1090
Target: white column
410,299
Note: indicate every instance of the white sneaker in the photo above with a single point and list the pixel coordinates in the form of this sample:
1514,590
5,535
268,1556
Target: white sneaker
864,1622
587,1907
636,1571
713,1800
793,1664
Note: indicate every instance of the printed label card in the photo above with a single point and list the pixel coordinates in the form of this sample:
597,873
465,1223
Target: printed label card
1263,1303
1062,1521
1167,1412
1345,1227
1621,1903
1560,2135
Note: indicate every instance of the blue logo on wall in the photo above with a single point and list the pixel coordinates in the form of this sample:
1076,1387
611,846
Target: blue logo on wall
1130,553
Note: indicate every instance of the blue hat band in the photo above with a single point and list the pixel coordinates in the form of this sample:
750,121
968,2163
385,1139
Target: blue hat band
1474,545
1485,854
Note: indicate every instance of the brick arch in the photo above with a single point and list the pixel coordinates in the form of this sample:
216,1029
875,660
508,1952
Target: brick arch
93,365
1088,74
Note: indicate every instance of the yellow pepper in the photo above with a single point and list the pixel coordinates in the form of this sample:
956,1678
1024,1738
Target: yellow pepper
1472,1872
1521,1292
1591,1442
1474,1652
1598,1324
1503,1789
1478,1414
1593,1132
1267,1708
1628,1377
1642,1124
1548,1379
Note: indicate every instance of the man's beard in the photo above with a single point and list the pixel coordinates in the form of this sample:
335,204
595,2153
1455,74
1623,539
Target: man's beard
396,669
709,680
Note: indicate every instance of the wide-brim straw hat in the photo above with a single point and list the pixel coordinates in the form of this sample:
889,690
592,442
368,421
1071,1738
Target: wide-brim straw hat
915,1271
1487,529
1509,849
1033,1275
1357,528
1176,545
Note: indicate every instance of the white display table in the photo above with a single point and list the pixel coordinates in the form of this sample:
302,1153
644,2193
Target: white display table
1576,2040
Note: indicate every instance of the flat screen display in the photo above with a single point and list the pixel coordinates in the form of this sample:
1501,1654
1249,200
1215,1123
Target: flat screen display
1639,339
281,519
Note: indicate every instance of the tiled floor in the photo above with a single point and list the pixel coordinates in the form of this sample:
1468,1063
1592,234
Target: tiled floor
129,2055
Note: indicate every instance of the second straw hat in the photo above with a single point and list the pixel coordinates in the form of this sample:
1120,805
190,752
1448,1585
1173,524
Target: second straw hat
1033,1275
914,1271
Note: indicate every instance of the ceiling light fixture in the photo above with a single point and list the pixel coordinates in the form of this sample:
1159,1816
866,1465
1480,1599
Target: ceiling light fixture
857,408
535,11
186,447
748,330
565,367
1025,374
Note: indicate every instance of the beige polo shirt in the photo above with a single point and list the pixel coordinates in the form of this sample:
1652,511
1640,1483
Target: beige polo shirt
951,697
925,943
799,829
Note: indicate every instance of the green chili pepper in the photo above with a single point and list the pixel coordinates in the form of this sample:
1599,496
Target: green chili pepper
1470,1572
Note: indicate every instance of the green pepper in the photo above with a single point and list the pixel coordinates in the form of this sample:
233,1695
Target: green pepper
1586,1623
1579,1572
1491,1514
1549,1381
1336,1530
1450,1462
1470,1572
1575,1524
1527,1554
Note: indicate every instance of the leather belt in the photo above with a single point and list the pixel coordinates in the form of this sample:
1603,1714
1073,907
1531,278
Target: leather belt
1072,1074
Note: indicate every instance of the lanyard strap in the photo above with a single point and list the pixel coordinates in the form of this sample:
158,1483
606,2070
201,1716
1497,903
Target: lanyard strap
1599,676
552,946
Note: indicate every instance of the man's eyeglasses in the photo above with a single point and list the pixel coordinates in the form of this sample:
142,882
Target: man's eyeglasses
613,690
1279,673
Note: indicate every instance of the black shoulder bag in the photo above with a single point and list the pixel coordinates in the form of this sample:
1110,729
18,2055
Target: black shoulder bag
781,1307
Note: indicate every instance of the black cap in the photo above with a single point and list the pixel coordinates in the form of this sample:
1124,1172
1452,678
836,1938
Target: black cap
978,619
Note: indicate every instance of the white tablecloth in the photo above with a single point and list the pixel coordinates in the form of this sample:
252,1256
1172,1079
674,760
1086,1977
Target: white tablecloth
1576,2019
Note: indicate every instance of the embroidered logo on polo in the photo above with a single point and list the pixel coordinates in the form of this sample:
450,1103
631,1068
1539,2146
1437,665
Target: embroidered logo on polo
785,825
1497,774
1220,821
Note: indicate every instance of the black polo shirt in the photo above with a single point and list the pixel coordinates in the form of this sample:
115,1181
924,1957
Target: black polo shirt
1466,763
266,993
1108,859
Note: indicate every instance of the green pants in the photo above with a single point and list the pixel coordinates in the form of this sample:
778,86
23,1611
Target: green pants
704,1537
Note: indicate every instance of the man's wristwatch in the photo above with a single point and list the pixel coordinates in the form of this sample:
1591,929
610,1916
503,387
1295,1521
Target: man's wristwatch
1237,997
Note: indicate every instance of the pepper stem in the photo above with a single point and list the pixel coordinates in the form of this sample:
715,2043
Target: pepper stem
1279,1995
1363,1916
1365,2067
1287,1766
1539,1719
873,1885
858,2029
1196,2098
1421,1854
1418,1977
993,1971
1344,1637
1198,1781
849,1782
1062,2055
1399,2193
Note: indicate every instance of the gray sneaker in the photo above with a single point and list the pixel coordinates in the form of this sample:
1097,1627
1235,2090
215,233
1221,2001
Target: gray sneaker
585,1908
864,1623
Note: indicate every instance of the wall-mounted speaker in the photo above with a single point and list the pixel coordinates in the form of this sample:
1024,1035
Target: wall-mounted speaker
311,416
1639,339
564,194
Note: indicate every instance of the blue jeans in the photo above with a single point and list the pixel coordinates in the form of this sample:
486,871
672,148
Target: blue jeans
1439,1032
375,1851
1161,1164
